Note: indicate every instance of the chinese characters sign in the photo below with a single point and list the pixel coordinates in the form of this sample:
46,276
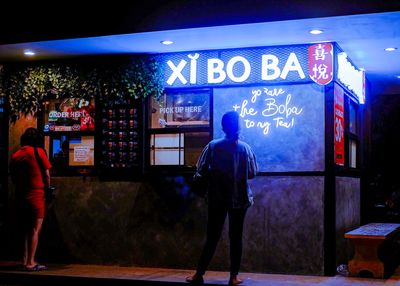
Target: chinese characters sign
339,125
320,63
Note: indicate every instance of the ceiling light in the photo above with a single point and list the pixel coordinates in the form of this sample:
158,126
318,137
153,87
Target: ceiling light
398,76
391,49
316,32
29,53
167,42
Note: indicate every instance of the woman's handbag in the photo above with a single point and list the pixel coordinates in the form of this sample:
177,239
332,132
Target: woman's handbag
200,185
49,191
50,194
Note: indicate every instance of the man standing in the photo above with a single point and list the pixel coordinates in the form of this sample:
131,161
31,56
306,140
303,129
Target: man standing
227,163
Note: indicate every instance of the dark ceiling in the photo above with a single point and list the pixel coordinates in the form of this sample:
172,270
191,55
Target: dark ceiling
42,20
362,28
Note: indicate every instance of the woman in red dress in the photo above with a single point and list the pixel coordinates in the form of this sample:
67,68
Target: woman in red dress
27,175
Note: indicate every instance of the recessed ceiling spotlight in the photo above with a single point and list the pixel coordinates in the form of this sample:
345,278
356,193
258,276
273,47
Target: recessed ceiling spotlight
398,76
167,42
316,32
391,49
29,53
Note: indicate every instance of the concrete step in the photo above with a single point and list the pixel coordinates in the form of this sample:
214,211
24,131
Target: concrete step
77,275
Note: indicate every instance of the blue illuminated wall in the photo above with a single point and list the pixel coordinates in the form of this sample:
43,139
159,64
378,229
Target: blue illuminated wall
281,107
283,124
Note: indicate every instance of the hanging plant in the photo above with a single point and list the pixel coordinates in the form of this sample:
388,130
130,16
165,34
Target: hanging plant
28,86
25,90
138,78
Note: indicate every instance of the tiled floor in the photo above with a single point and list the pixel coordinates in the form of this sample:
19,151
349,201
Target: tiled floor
9,272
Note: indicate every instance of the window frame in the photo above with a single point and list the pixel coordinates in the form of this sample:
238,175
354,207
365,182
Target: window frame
352,136
182,129
72,170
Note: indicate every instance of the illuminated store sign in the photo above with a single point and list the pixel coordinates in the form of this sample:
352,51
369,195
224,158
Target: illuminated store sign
351,77
284,123
218,70
278,114
230,67
292,64
320,63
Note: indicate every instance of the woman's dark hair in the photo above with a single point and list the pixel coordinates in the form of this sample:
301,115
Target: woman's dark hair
31,137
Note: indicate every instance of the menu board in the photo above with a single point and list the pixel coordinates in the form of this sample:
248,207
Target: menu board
283,124
69,114
121,135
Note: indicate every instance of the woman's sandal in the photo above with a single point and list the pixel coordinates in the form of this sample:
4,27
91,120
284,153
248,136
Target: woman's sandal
195,279
37,267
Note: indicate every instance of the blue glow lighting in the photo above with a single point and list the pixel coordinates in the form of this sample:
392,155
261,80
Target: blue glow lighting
167,42
29,53
56,147
316,32
75,141
351,77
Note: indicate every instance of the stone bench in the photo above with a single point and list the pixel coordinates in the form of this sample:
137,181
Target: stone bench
371,254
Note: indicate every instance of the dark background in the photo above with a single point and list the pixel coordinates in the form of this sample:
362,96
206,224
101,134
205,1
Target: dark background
40,20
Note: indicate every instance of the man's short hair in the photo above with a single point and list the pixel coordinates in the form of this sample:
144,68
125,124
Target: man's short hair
230,122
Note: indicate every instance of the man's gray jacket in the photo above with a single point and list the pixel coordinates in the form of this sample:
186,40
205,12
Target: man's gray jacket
228,164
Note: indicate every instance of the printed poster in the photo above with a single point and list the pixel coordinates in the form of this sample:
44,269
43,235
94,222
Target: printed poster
339,125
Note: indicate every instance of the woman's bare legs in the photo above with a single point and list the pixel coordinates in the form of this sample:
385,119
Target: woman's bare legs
31,243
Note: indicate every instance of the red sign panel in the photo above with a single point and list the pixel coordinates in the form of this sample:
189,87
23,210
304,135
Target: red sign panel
70,114
320,63
339,125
